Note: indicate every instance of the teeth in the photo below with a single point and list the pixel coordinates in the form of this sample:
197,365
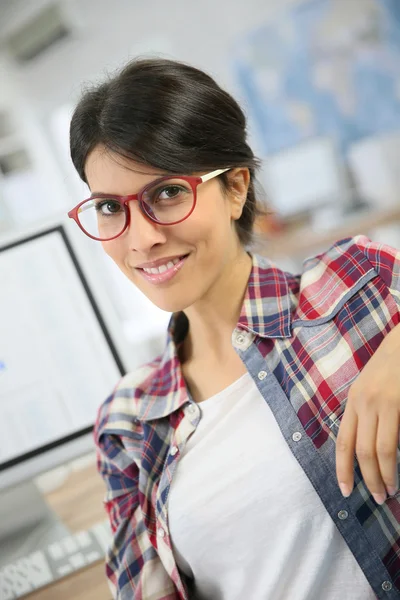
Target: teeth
162,268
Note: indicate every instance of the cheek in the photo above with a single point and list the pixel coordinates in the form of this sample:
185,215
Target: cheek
200,233
209,221
116,251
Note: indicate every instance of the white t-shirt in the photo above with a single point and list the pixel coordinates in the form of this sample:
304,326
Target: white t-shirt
245,521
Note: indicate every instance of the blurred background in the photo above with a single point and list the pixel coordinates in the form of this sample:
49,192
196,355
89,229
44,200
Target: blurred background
320,83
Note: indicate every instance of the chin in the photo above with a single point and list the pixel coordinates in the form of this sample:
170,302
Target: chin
172,297
169,304
173,300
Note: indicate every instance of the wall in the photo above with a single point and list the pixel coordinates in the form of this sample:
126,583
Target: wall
108,33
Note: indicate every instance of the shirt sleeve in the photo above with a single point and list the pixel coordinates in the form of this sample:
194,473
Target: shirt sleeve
130,556
386,262
122,505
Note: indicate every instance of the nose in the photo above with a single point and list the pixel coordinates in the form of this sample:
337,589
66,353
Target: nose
143,234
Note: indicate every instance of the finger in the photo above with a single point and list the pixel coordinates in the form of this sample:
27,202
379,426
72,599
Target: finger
367,456
386,449
345,450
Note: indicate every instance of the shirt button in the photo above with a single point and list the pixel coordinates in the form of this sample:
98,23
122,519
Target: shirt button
192,409
161,532
174,450
343,514
386,586
262,375
241,339
296,437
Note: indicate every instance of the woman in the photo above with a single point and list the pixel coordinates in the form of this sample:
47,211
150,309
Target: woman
219,456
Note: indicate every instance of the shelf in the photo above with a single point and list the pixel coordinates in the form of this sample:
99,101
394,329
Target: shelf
10,144
14,162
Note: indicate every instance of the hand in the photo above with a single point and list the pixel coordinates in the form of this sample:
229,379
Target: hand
370,423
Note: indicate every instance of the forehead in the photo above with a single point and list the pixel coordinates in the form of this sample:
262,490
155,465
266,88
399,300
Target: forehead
109,172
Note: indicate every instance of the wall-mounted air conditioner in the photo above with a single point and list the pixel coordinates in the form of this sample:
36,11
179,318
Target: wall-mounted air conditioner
40,32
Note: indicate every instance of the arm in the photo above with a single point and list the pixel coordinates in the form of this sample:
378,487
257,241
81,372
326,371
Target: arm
133,567
370,424
121,503
386,262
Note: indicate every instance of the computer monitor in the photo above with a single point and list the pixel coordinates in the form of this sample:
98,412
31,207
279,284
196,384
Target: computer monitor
59,360
306,177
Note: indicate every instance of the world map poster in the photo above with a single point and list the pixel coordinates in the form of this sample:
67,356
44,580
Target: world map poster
322,68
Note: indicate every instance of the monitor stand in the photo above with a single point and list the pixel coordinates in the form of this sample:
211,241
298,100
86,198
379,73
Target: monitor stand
27,523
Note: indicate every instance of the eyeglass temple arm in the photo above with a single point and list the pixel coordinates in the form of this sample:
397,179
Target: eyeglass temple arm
86,207
213,174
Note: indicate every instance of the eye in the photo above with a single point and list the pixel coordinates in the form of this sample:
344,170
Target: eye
108,207
169,192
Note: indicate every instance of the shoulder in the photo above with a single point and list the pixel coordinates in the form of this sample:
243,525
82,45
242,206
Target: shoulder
367,253
331,277
341,255
119,412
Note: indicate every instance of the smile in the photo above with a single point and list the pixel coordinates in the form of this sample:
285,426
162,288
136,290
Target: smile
164,272
162,268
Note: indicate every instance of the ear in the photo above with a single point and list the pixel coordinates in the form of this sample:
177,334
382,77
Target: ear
239,180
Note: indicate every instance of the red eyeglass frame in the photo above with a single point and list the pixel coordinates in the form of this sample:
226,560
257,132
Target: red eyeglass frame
193,180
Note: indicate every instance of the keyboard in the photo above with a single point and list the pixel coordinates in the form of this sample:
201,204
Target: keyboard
42,567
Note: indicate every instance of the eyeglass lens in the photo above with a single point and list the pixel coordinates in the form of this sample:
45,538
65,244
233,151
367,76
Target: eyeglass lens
165,202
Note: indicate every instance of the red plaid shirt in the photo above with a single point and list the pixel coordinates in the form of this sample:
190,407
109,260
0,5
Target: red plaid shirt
304,339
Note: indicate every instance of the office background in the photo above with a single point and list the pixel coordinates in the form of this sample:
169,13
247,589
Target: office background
320,83
324,72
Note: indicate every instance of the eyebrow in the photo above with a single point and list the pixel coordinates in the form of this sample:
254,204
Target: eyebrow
123,195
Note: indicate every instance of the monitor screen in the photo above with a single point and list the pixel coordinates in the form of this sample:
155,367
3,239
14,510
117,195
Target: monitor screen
305,177
58,361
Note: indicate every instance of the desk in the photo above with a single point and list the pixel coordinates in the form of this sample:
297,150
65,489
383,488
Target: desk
304,241
79,505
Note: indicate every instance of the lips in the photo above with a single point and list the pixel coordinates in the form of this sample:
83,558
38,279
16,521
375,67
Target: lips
159,261
163,272
161,268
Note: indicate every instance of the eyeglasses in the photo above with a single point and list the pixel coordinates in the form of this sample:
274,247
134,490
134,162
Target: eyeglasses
165,201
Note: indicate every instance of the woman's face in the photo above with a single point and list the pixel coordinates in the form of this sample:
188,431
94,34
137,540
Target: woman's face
202,248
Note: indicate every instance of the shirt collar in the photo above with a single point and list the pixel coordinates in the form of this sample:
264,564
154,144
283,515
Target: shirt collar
266,311
268,304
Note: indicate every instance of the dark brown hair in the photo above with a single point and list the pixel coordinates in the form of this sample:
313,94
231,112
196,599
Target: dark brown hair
168,115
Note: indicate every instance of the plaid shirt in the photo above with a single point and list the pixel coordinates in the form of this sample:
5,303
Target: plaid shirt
304,339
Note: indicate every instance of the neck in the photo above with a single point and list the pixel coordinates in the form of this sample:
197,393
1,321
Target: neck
213,318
